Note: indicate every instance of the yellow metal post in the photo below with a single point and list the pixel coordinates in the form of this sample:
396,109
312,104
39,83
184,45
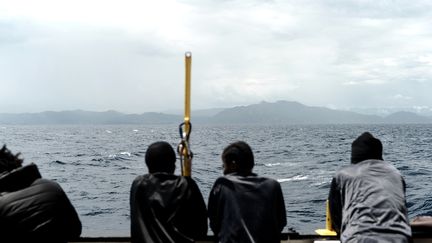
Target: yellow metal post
328,231
187,164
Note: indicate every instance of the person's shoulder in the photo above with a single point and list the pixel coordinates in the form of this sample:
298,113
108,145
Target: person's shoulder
47,184
187,182
229,179
347,169
44,190
390,166
374,164
268,181
187,179
140,178
184,180
224,181
344,173
162,178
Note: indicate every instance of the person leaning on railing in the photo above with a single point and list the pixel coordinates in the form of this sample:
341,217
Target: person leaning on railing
367,198
33,209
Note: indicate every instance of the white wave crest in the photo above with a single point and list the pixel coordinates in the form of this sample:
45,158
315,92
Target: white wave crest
294,178
272,164
125,153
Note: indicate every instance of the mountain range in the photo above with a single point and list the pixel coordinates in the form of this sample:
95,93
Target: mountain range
281,112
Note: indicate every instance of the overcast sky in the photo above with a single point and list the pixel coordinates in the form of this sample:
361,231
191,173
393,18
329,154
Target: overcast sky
129,55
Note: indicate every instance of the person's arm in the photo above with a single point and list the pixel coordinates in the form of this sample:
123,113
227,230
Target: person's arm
134,203
281,208
198,211
215,209
75,226
71,223
335,205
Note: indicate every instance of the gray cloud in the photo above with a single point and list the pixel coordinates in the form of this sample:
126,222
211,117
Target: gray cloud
130,58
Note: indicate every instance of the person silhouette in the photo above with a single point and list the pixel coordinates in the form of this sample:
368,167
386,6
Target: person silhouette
367,198
242,206
33,209
165,207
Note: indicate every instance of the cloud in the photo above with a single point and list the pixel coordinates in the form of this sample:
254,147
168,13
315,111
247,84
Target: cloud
402,97
128,56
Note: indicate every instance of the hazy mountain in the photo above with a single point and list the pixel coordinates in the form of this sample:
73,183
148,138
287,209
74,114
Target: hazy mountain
291,113
386,111
281,112
406,117
202,113
87,117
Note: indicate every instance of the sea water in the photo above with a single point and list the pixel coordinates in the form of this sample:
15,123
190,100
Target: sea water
96,164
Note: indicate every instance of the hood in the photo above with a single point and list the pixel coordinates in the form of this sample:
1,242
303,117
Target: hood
366,147
19,178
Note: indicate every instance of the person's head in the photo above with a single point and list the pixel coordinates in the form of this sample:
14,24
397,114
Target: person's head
238,157
366,147
9,161
160,157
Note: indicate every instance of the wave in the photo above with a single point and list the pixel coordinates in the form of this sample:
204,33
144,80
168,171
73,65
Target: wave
294,178
120,156
272,164
59,162
126,153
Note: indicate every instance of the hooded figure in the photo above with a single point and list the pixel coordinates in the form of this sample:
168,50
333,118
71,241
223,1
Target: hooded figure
33,209
366,147
367,198
245,207
164,207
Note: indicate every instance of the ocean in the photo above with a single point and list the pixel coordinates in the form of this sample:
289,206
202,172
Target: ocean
96,164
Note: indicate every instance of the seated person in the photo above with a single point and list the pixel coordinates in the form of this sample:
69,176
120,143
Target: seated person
33,209
367,198
166,207
242,206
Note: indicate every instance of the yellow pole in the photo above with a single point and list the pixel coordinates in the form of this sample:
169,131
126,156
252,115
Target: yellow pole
328,231
329,225
187,164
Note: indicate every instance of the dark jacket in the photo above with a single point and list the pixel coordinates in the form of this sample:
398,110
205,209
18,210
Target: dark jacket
166,208
367,202
34,209
246,209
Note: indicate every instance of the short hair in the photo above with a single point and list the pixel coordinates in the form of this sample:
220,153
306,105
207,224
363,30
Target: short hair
365,147
160,157
9,161
239,153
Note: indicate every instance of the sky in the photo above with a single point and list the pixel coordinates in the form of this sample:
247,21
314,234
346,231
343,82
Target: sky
128,55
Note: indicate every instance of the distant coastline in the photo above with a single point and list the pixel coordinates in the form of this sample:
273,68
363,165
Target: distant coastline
281,112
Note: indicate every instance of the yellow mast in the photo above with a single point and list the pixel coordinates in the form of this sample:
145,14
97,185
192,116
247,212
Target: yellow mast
187,163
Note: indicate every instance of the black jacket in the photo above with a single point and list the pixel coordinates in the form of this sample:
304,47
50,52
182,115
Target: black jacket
166,208
246,209
367,201
34,209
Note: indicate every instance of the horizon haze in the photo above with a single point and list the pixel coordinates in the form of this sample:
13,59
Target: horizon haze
281,112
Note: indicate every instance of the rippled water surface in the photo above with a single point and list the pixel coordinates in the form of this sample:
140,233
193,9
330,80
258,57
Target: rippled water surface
97,164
